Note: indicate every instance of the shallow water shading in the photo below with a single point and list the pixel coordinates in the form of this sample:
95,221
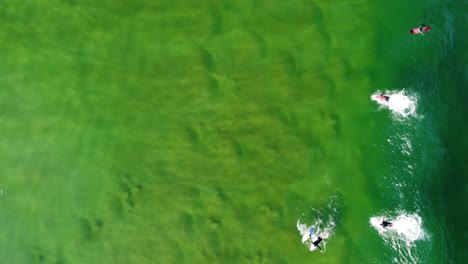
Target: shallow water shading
193,133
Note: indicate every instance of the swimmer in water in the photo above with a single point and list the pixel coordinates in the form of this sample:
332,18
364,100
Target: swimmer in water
423,28
420,30
384,97
385,224
316,243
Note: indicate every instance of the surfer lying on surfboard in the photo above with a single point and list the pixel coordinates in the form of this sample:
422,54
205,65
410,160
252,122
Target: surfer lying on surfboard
385,224
316,244
384,97
420,30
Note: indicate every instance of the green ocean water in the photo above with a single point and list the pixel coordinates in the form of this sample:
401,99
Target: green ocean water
202,132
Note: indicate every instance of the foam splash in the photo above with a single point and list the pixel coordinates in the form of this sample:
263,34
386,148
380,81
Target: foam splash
324,230
401,104
321,223
406,228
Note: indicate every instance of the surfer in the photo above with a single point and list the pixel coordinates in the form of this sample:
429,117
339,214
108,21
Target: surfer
316,243
385,224
420,30
384,97
308,234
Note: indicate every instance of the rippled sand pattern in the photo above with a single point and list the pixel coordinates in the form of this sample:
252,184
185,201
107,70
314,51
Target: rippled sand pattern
175,132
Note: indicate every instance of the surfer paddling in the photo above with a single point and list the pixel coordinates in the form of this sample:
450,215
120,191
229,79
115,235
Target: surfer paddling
317,242
385,224
384,97
420,30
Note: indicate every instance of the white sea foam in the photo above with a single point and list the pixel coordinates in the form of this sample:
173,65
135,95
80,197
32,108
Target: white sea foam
406,228
401,104
322,221
324,230
402,236
323,224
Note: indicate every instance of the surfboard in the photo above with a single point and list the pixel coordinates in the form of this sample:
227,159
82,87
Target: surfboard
312,247
418,30
307,234
314,238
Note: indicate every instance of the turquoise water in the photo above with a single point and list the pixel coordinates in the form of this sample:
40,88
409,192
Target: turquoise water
190,132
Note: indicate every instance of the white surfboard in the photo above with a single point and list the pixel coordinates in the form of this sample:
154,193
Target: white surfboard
307,234
314,238
312,247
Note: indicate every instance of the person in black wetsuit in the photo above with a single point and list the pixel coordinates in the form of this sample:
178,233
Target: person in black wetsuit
423,28
385,224
316,243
